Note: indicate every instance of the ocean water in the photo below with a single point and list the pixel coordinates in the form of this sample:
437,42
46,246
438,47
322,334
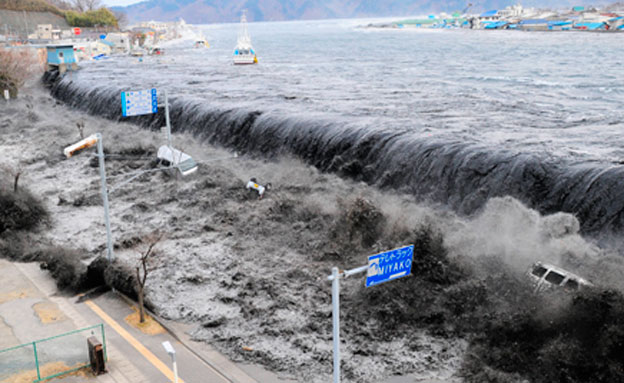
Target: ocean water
453,116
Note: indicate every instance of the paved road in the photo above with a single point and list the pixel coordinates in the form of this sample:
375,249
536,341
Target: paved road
31,308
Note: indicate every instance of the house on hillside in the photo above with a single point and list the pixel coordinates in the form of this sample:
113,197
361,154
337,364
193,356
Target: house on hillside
44,31
20,25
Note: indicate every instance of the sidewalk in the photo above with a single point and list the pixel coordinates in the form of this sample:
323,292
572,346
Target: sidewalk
31,308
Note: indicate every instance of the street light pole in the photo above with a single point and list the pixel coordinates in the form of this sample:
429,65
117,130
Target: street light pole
169,348
175,368
109,237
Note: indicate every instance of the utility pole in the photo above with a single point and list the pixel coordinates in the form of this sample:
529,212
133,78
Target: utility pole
26,24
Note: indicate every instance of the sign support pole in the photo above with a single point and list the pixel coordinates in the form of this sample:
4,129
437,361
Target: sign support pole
336,321
382,267
167,119
109,239
335,278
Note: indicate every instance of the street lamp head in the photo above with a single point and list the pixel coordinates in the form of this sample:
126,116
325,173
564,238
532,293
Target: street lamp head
169,348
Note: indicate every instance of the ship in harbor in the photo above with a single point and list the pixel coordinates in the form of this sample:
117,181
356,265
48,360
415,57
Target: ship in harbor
244,52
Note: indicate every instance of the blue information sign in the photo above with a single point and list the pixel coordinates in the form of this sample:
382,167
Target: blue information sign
389,265
134,103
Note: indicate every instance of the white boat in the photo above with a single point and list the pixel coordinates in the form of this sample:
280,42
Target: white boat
244,52
201,43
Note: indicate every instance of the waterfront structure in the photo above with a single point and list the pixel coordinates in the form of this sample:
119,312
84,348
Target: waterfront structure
526,19
120,41
61,57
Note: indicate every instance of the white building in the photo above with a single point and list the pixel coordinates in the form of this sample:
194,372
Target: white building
121,42
44,32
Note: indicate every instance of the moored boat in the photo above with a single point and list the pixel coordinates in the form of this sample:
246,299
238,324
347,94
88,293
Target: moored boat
244,52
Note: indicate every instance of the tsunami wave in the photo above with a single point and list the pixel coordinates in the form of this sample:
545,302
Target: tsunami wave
462,175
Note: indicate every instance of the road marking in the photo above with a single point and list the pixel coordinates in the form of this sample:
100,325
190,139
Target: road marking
133,341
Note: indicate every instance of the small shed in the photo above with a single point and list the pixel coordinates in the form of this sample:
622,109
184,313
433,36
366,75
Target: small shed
61,57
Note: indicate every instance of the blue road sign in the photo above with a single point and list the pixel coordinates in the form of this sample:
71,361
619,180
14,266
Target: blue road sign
389,265
134,103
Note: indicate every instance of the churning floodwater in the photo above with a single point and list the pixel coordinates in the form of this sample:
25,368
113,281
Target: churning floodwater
452,116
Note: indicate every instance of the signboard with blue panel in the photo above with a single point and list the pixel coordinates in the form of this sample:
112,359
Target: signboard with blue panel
134,103
389,265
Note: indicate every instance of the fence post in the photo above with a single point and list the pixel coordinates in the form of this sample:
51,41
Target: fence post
104,342
36,361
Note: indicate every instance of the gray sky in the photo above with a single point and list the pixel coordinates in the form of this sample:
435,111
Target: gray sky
111,3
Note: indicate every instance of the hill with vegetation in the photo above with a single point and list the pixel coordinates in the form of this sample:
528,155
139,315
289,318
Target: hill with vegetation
30,6
90,18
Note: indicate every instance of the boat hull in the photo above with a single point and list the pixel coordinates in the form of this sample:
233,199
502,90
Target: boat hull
245,60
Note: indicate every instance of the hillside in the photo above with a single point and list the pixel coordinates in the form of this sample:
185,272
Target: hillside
213,11
30,6
20,23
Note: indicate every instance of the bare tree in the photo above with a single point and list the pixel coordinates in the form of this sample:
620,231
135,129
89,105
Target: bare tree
14,171
143,269
16,66
86,5
80,126
122,19
16,176
61,4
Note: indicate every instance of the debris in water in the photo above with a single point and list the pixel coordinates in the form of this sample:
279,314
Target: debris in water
185,163
82,144
253,184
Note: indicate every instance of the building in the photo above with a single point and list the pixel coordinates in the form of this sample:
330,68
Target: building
44,31
489,16
19,26
120,41
61,57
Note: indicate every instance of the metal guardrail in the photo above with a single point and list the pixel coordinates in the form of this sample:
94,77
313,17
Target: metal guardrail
44,358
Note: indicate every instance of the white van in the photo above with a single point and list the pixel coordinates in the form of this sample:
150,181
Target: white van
546,276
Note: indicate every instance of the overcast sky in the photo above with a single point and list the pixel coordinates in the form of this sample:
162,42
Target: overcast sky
111,3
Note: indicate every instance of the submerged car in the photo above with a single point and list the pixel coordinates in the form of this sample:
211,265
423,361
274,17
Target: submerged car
546,276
